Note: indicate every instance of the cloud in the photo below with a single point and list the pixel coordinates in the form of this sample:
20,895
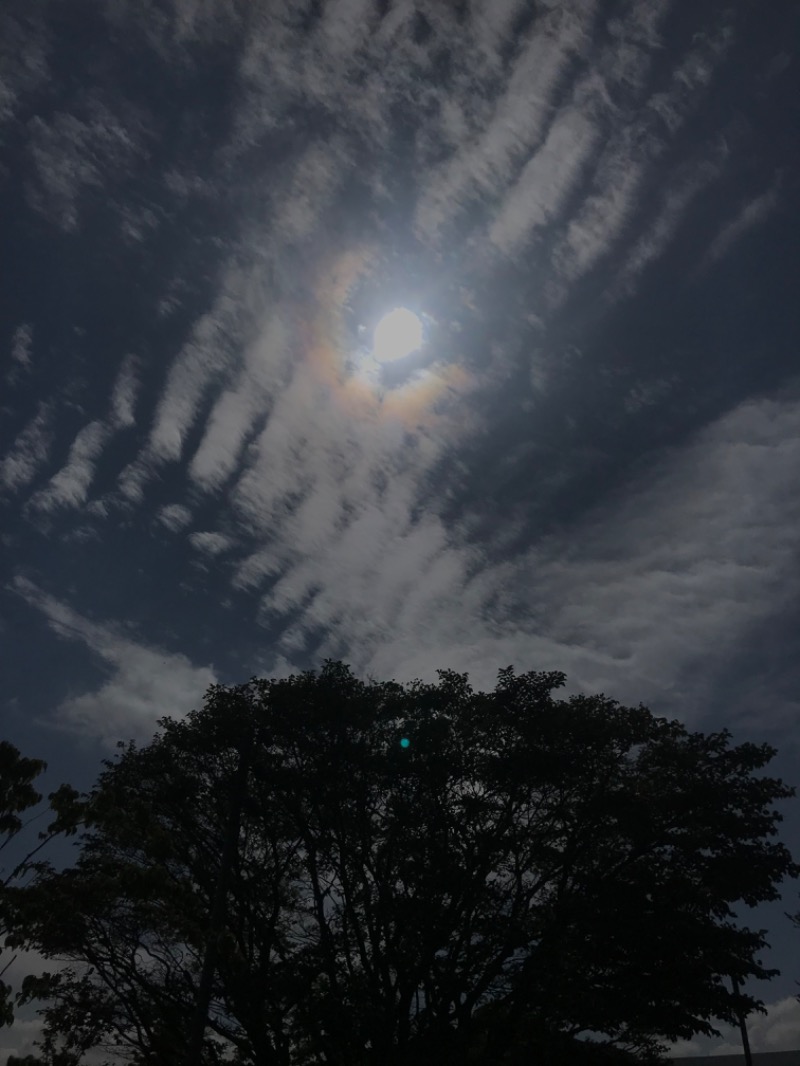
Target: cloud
147,682
482,166
134,477
206,359
21,345
649,393
347,535
29,452
236,410
137,224
211,543
552,172
73,152
682,188
169,27
123,398
599,221
351,65
19,1039
493,25
349,548
349,545
669,574
749,216
623,168
524,149
70,486
174,517
26,46
314,181
553,155
777,1030
545,182
24,962
28,1027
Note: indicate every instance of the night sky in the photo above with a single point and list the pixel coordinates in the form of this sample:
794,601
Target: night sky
215,462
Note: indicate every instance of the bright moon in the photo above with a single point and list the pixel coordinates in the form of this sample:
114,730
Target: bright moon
397,334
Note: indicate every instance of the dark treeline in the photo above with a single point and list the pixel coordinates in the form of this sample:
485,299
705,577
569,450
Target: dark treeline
321,870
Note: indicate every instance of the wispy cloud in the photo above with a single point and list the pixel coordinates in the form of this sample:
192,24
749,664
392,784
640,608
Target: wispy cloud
236,410
483,166
551,174
180,23
528,151
205,360
26,45
70,486
21,351
312,185
210,544
627,163
676,567
545,182
349,554
751,215
29,452
174,517
315,482
75,151
147,682
123,397
342,533
682,188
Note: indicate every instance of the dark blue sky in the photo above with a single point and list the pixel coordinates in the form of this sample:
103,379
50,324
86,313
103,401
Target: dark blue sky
589,465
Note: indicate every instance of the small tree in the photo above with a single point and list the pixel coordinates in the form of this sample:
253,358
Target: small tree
422,873
17,795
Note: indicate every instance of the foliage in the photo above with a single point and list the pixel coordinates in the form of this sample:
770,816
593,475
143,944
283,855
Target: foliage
527,872
17,795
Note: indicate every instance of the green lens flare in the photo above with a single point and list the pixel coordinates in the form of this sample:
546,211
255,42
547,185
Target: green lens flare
404,742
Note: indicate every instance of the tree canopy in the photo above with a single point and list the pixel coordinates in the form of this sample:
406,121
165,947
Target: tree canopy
423,873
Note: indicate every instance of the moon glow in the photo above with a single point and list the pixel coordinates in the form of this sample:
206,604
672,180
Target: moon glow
399,333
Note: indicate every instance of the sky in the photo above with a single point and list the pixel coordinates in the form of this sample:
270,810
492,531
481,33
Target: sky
213,465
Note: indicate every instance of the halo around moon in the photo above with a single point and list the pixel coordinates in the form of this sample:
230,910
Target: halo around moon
354,392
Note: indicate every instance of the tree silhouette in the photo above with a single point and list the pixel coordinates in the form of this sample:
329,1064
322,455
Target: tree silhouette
525,874
17,795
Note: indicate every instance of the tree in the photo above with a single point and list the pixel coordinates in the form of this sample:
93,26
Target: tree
17,795
423,873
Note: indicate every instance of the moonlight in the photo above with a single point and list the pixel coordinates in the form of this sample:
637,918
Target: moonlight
399,333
